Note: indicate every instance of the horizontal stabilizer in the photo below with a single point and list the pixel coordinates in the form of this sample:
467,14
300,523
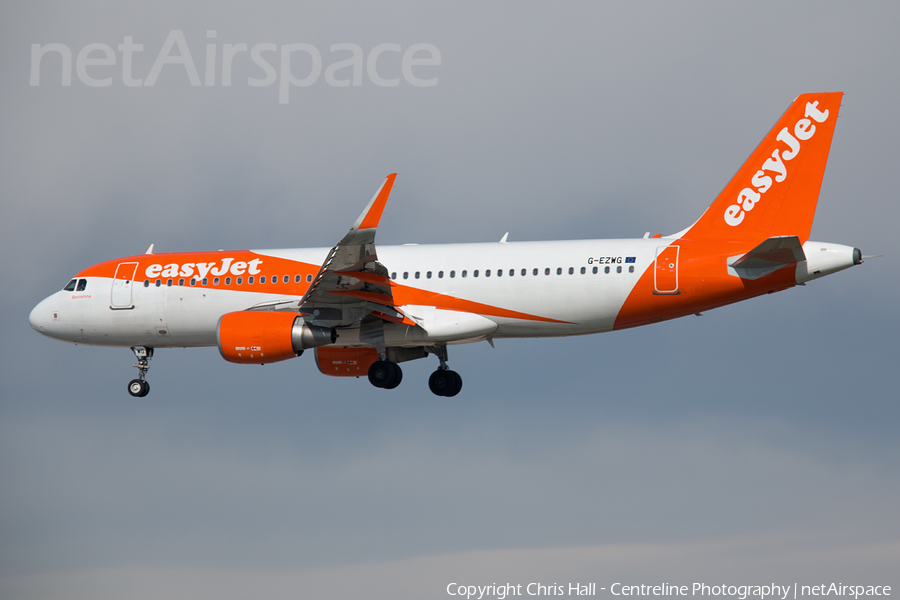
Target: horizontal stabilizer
770,255
783,250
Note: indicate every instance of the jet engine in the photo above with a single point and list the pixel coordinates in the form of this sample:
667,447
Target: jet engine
260,337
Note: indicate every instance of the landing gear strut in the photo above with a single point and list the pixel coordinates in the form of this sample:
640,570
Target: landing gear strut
140,387
385,374
444,382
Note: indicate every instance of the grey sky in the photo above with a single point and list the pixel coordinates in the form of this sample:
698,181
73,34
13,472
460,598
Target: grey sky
756,442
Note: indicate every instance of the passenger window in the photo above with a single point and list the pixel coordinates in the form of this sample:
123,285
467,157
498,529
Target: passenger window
158,282
274,279
417,274
228,281
70,287
475,273
535,272
181,282
262,278
571,270
82,284
583,270
547,271
205,281
631,269
146,283
405,274
216,281
240,280
286,279
487,272
606,269
440,274
618,269
296,279
559,270
595,270
169,282
308,278
428,275
193,281
394,275
452,274
464,273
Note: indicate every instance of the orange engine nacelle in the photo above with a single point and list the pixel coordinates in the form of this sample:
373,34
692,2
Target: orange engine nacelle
345,362
259,337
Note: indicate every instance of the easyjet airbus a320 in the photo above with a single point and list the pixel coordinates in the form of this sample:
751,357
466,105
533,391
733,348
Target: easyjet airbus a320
364,310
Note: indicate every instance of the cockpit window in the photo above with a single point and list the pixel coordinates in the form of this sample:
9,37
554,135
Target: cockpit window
70,287
82,284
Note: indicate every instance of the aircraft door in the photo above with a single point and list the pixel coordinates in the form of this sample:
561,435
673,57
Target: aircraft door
122,284
665,271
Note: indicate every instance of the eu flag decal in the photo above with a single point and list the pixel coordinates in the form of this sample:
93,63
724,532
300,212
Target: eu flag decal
629,259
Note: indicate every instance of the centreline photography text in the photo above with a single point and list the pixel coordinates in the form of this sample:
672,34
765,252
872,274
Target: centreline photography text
499,591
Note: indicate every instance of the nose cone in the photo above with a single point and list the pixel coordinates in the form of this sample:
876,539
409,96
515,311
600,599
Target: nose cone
40,317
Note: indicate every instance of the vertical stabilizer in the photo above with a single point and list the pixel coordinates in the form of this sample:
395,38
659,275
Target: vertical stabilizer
775,192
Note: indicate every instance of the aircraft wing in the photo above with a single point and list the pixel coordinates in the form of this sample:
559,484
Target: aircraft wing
351,285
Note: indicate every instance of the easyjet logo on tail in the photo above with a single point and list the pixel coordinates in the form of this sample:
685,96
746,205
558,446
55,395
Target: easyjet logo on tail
748,197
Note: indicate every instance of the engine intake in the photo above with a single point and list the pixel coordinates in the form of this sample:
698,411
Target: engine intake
260,337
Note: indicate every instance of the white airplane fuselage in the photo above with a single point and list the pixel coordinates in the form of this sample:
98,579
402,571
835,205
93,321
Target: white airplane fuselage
580,285
187,316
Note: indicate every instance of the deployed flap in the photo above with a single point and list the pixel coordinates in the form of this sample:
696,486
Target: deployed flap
351,283
772,254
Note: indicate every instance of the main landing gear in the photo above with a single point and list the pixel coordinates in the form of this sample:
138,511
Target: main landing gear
386,374
140,387
444,382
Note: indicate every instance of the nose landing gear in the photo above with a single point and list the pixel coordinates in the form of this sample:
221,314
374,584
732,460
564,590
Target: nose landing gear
140,387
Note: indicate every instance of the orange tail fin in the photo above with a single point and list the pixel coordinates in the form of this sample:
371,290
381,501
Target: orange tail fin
775,192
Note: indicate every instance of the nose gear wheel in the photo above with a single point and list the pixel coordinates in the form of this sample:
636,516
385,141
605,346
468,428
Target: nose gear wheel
140,387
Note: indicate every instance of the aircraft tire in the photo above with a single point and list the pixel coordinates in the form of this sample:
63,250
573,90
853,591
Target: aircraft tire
396,378
440,382
136,388
382,373
456,385
146,386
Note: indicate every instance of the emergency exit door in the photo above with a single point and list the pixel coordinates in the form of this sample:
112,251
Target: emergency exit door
665,271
